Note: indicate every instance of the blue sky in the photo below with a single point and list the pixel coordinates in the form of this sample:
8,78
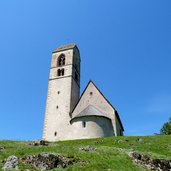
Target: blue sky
125,49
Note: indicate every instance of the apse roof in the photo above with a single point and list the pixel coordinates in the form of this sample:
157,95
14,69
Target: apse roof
90,111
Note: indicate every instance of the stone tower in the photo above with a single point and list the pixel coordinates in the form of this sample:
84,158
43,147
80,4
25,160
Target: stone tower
63,93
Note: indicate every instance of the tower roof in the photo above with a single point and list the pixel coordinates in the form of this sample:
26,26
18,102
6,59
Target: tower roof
65,47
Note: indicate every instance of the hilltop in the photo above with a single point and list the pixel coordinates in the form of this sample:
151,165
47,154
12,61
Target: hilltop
104,154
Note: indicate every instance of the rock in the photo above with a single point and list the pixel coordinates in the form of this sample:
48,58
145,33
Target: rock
98,142
152,164
145,158
130,154
11,163
43,142
122,141
139,140
2,149
135,155
87,148
39,143
47,161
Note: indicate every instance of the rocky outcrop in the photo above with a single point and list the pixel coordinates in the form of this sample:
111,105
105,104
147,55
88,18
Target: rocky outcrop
2,149
39,143
87,148
11,163
147,162
41,161
122,141
47,161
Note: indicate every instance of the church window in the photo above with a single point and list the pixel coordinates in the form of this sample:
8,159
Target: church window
83,124
55,134
60,72
58,92
61,60
57,107
91,93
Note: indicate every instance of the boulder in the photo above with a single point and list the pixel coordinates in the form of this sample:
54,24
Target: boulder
11,163
39,143
47,161
139,140
87,148
146,161
122,141
2,149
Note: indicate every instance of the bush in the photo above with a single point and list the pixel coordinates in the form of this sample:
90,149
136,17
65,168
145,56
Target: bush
166,129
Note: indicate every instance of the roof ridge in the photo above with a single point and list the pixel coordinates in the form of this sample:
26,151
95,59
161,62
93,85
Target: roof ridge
65,47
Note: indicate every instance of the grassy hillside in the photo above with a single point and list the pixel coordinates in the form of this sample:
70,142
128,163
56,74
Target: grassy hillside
110,154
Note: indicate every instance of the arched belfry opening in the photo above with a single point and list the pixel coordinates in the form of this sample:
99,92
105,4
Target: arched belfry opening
60,72
61,60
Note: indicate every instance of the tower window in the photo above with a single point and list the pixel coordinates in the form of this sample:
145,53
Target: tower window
55,134
57,107
60,72
58,92
61,60
83,124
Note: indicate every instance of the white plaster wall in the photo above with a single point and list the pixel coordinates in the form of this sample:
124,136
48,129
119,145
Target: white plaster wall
97,100
95,127
58,119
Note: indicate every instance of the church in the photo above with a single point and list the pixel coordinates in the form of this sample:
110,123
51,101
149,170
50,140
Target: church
70,116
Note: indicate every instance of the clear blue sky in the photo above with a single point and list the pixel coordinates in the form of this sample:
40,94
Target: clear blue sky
125,49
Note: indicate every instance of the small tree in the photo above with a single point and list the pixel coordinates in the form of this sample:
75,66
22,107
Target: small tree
166,129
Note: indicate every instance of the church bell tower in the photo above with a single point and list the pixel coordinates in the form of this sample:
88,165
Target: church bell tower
63,92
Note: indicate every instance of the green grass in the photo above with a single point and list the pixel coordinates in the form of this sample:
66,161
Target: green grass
109,156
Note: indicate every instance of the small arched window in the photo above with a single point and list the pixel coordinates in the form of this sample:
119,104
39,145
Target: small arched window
60,72
83,124
61,60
